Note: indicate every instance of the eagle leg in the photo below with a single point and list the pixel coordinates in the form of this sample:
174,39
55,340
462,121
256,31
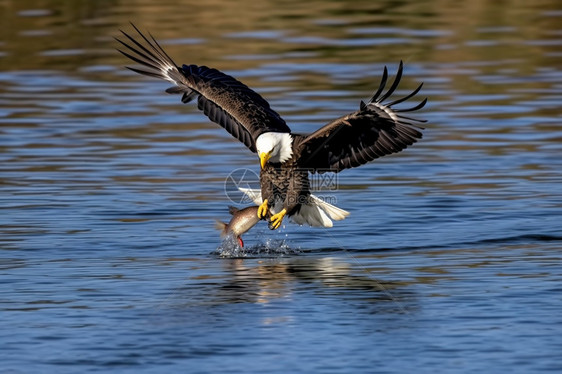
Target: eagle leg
276,219
263,209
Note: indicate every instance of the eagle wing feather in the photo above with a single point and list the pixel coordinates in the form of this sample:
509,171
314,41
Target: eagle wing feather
375,130
226,101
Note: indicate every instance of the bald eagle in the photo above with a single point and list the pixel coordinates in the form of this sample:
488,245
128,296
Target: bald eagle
286,158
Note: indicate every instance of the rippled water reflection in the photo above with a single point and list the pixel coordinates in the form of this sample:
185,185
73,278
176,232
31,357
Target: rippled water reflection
449,262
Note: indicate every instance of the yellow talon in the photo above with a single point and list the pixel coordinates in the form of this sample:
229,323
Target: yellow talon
262,210
276,219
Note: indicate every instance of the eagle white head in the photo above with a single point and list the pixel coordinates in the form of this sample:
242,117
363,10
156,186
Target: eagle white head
275,147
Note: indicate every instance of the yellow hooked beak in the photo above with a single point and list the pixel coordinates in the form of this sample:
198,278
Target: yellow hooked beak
264,157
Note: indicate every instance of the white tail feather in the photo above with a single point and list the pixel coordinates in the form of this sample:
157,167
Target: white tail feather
335,213
316,214
312,215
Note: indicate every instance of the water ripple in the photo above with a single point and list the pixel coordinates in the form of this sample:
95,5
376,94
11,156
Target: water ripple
109,190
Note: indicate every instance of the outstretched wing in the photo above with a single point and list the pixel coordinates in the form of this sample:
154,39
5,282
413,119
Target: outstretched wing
375,130
225,100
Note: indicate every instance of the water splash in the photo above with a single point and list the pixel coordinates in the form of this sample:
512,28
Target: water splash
230,248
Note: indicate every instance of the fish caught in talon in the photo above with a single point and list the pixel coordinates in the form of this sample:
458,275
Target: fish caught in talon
263,209
287,159
276,219
242,220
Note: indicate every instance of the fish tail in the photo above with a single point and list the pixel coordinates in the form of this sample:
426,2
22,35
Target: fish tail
222,227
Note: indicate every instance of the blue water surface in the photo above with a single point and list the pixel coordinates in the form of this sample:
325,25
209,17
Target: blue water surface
450,260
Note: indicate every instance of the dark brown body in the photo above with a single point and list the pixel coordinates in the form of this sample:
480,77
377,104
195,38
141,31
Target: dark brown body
286,183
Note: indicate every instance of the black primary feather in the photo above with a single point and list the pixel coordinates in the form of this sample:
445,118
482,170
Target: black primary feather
376,130
222,98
